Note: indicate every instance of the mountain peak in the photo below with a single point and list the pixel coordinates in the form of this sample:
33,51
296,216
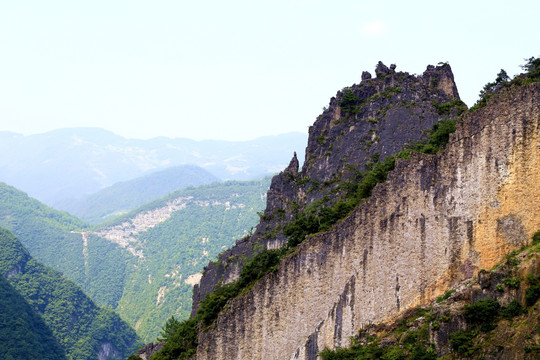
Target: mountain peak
363,124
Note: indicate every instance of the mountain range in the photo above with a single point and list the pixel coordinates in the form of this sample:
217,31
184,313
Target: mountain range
410,231
70,164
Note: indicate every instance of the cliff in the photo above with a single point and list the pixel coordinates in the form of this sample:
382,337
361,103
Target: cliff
492,316
438,220
364,123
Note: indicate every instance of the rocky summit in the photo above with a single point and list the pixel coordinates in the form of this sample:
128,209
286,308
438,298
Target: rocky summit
364,123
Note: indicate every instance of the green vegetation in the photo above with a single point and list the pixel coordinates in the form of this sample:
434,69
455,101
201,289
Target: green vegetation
462,341
413,344
411,337
536,238
532,74
512,310
448,107
181,336
348,101
105,271
23,332
128,195
145,294
438,138
445,296
533,292
321,139
47,233
215,216
387,93
373,351
78,325
482,313
512,283
317,217
180,340
54,238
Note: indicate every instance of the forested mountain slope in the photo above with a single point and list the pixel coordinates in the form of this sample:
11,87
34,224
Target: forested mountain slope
125,196
23,333
170,240
47,233
145,263
82,330
55,239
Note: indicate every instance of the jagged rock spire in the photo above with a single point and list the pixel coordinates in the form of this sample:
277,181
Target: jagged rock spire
366,75
381,69
293,165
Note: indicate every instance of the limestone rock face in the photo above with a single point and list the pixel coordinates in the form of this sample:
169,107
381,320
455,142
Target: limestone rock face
149,349
437,220
363,123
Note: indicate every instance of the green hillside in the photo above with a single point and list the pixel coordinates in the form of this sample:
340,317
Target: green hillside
23,333
128,195
173,253
45,232
56,239
83,330
145,289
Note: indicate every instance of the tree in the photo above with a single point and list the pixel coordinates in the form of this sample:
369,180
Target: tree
532,67
501,81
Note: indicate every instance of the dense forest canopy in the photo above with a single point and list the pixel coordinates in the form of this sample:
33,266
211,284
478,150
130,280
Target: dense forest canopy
76,322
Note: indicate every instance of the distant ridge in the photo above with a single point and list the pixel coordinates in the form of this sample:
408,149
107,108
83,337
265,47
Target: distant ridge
127,195
73,163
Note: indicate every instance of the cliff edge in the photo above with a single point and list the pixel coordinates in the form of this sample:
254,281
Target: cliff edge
363,124
438,220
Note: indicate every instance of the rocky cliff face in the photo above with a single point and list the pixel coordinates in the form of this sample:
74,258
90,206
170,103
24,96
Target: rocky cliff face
363,123
437,221
494,316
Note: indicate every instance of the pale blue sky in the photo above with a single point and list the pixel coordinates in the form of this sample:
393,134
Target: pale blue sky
234,70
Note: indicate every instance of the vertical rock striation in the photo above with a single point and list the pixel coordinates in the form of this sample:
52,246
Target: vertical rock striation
437,220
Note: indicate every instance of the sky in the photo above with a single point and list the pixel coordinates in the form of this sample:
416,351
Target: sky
237,69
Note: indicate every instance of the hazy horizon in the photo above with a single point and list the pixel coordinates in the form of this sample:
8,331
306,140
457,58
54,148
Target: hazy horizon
152,138
235,70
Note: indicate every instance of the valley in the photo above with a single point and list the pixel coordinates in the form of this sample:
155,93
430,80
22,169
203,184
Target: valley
145,263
